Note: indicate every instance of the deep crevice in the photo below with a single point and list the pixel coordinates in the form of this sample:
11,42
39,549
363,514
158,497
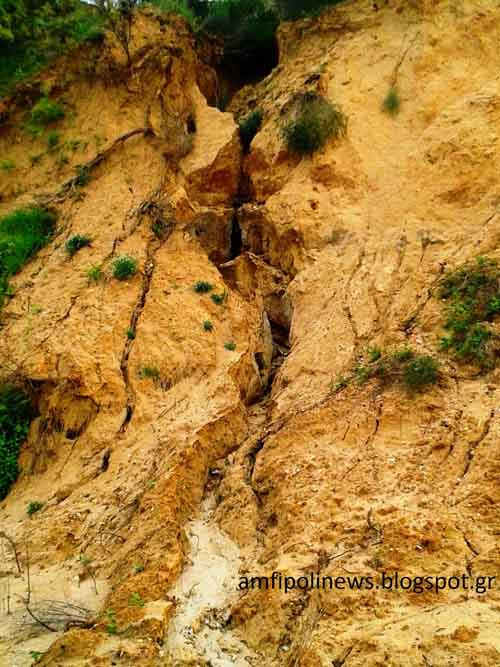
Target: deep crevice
149,267
236,239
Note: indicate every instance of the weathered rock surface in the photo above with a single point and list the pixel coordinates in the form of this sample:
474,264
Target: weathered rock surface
339,252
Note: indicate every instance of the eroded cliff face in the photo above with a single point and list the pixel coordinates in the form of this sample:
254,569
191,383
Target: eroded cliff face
159,492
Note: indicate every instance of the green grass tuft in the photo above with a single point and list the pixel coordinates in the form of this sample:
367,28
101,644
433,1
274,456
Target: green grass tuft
316,121
392,102
76,243
415,371
44,112
111,626
124,267
82,176
149,373
472,297
22,234
95,273
33,507
53,139
421,371
218,299
16,413
202,287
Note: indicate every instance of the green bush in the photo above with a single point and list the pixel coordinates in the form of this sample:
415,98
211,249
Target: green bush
124,267
22,234
316,121
33,507
82,176
95,273
33,32
52,140
111,626
249,127
176,7
16,413
208,326
218,299
415,371
472,296
149,373
294,9
160,229
247,27
421,371
76,243
202,287
230,346
130,333
392,102
45,112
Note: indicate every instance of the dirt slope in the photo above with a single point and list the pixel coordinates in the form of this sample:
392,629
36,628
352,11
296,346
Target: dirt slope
160,492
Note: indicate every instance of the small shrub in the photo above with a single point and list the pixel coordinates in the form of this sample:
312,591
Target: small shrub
138,567
230,346
202,287
341,383
160,229
16,413
415,371
135,600
124,267
35,656
208,326
392,102
33,507
218,299
149,373
130,333
76,243
84,559
316,121
111,626
22,234
374,354
249,127
472,296
421,371
404,354
95,273
35,159
82,176
44,113
7,165
246,27
180,7
52,140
